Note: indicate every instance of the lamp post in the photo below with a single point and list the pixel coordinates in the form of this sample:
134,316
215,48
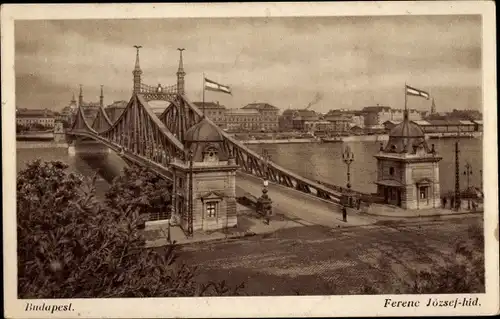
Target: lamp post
266,157
348,158
264,204
457,177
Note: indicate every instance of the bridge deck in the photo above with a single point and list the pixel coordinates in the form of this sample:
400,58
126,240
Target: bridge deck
295,204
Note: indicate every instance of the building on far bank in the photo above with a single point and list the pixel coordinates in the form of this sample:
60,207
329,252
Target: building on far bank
478,125
214,111
115,110
242,120
268,115
319,127
296,119
439,126
35,118
341,120
376,116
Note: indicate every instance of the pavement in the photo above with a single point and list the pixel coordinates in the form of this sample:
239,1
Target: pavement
297,205
292,209
249,224
397,212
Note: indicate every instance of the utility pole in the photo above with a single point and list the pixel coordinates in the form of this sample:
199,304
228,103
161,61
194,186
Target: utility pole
457,177
468,173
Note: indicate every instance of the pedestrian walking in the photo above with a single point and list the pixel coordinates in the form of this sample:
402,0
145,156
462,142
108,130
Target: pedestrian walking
344,214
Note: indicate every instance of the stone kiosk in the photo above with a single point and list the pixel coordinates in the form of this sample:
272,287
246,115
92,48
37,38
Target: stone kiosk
209,178
408,169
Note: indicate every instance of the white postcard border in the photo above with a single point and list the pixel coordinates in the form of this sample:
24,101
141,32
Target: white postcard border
296,306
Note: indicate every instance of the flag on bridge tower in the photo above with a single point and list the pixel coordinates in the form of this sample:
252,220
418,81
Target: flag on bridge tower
214,86
416,92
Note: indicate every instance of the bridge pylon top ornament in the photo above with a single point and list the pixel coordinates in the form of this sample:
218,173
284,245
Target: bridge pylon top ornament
161,93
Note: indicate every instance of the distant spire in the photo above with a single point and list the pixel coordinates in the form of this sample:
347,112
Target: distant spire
101,97
433,107
73,100
80,97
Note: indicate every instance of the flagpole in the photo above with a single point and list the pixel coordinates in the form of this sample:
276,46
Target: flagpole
203,103
406,100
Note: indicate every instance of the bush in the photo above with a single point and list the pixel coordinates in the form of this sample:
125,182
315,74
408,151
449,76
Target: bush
71,246
141,190
466,275
464,272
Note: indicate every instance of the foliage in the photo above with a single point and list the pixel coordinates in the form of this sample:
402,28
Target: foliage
464,272
140,189
71,246
465,275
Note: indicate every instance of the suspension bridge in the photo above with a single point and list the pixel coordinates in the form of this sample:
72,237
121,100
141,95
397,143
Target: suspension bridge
154,141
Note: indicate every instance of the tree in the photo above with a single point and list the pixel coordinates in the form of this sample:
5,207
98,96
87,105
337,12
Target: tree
140,189
71,246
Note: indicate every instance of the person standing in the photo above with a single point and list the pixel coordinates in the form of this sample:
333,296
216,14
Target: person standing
344,214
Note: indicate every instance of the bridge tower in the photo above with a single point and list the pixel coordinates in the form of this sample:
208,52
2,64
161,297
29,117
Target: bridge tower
206,182
180,75
408,169
137,71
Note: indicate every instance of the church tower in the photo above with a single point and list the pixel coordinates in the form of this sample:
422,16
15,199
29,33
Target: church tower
407,169
180,75
433,107
137,72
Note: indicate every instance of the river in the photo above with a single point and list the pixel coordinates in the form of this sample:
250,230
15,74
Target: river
315,161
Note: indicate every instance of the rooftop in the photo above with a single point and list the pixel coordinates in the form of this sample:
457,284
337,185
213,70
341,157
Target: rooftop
261,106
118,104
209,105
376,109
34,113
242,112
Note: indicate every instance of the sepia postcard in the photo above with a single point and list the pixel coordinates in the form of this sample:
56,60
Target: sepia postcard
250,160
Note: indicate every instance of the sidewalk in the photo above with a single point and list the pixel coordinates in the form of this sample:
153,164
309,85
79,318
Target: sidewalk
249,224
393,211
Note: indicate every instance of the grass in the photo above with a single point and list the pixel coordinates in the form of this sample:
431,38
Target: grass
316,260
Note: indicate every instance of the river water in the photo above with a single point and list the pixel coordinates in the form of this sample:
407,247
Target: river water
313,160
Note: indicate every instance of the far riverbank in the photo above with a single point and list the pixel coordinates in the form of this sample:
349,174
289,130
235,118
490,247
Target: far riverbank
346,139
39,144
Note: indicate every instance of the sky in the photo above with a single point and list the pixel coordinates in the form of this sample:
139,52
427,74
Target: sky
350,62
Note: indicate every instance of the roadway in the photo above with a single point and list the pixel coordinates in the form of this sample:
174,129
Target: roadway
297,205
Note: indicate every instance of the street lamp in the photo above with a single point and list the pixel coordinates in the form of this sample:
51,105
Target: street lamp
264,203
348,158
266,157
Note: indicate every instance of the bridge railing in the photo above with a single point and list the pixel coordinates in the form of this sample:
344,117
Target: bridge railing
255,164
172,89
